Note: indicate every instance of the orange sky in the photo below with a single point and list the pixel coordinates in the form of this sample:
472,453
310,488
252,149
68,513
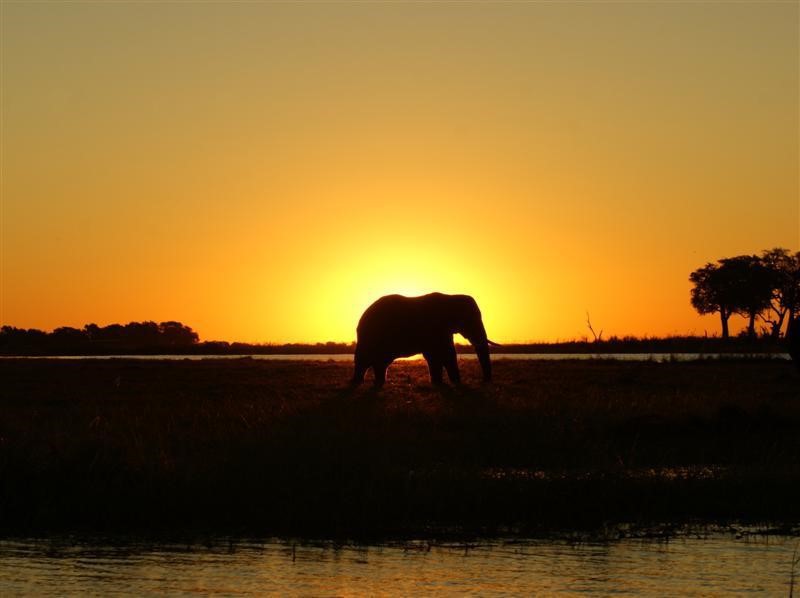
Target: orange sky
263,171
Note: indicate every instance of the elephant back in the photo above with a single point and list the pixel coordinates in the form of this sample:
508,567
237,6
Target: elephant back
397,316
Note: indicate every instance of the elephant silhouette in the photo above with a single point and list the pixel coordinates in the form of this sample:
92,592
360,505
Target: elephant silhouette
397,326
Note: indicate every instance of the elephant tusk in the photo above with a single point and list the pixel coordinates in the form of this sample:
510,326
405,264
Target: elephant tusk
494,344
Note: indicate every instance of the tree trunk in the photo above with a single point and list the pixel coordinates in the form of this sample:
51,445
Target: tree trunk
751,326
723,316
776,326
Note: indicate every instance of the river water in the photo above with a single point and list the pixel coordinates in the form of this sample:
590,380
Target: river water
715,564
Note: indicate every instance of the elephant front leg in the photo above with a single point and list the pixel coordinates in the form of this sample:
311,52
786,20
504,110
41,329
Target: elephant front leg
361,367
434,367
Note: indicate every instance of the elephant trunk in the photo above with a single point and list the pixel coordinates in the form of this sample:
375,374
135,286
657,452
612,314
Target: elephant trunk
482,351
477,336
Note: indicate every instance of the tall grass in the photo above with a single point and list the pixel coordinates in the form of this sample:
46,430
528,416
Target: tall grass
280,447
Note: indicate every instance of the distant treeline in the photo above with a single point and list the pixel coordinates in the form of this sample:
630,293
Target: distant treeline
175,338
132,338
632,344
141,338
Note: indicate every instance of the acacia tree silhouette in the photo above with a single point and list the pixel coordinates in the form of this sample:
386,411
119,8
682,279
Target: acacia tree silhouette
741,284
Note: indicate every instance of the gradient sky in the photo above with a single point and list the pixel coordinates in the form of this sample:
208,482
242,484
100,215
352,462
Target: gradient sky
264,171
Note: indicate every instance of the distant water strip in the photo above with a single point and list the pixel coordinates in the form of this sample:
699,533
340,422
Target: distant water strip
656,357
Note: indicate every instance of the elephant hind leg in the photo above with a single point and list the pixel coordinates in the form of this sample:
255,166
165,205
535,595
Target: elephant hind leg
379,368
358,374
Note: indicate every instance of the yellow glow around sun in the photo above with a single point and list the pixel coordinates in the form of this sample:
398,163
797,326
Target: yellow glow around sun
331,304
349,291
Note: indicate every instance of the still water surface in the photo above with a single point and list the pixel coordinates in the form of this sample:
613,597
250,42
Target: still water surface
719,564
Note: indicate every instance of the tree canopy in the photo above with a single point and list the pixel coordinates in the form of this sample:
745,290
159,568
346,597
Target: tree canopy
765,287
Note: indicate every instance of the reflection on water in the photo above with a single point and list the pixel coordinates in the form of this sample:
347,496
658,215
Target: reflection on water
658,357
716,564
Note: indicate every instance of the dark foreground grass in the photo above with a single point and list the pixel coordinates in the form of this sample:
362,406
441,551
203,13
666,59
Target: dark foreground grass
284,448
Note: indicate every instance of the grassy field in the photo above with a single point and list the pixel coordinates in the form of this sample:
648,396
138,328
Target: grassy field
285,448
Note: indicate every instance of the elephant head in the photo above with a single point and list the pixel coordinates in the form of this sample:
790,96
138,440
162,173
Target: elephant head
468,323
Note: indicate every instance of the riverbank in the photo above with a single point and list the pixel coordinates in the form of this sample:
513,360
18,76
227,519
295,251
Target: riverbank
16,342
286,448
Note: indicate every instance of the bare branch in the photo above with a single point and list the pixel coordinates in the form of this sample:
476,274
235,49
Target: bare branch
596,336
